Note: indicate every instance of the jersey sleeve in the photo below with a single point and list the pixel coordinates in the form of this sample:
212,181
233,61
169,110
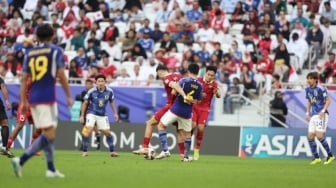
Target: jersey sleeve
111,96
60,59
25,67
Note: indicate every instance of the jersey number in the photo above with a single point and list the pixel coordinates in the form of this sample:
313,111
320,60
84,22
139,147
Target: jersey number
189,95
38,67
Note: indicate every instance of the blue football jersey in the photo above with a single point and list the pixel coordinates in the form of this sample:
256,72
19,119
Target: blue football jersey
98,100
317,97
42,63
191,87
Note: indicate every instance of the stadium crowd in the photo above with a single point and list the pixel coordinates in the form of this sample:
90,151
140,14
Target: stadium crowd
261,42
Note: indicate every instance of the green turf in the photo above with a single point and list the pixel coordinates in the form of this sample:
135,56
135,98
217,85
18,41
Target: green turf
99,170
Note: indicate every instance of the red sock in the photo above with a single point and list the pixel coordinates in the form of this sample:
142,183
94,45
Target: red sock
146,141
199,139
10,142
181,147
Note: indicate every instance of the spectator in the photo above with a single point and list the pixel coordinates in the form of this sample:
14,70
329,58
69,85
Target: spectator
276,82
156,34
238,14
251,20
231,94
168,44
111,31
204,54
298,47
123,79
315,39
11,64
92,47
251,35
204,34
282,25
163,14
146,42
264,73
282,62
279,5
278,109
75,72
220,22
77,40
328,69
138,50
247,79
228,6
107,68
113,50
81,59
129,42
332,84
328,13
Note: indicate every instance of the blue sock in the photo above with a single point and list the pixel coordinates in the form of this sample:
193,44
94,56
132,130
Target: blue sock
326,146
49,153
187,144
109,140
39,144
86,141
163,140
313,148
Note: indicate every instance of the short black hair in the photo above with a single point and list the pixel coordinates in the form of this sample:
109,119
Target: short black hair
211,68
161,67
313,75
100,76
193,68
44,32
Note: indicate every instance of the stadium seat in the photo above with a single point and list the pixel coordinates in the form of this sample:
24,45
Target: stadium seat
70,54
91,16
163,26
180,47
122,27
103,25
236,29
332,29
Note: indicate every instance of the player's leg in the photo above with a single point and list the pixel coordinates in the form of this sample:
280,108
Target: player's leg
4,138
147,137
200,123
166,119
36,134
311,139
14,134
180,140
186,126
97,136
320,135
104,125
86,132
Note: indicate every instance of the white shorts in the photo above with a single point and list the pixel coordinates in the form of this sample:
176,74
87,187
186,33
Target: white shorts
45,115
317,124
169,118
102,122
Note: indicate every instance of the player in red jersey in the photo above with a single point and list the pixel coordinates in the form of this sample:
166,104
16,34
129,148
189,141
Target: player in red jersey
201,110
169,79
21,119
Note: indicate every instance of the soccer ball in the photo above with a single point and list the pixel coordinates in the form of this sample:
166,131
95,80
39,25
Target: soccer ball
150,155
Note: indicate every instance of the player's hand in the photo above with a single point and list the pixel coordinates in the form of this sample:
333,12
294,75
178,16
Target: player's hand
70,102
116,117
307,118
81,119
321,115
8,105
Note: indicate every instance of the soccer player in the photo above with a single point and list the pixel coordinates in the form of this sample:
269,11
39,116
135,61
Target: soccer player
4,119
43,64
201,110
169,82
317,115
188,92
88,86
21,119
94,108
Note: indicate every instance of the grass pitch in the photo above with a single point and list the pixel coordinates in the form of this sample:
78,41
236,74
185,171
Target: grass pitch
99,170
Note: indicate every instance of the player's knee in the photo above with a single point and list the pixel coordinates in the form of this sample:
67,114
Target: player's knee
86,131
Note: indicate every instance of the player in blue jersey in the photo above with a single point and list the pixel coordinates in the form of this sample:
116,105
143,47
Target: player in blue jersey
189,92
94,107
317,115
43,64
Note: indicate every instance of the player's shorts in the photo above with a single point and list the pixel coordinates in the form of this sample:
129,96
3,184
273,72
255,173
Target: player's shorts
45,115
200,115
169,118
21,118
317,124
3,114
102,122
158,115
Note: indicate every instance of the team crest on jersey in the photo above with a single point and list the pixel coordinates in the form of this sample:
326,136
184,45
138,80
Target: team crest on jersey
166,81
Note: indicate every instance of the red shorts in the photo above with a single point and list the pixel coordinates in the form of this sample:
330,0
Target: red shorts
200,115
21,118
158,115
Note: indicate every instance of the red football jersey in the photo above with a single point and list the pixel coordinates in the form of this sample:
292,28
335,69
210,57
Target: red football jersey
173,77
208,93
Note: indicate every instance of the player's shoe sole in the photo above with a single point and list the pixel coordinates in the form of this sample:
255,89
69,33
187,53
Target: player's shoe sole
17,167
329,160
315,161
